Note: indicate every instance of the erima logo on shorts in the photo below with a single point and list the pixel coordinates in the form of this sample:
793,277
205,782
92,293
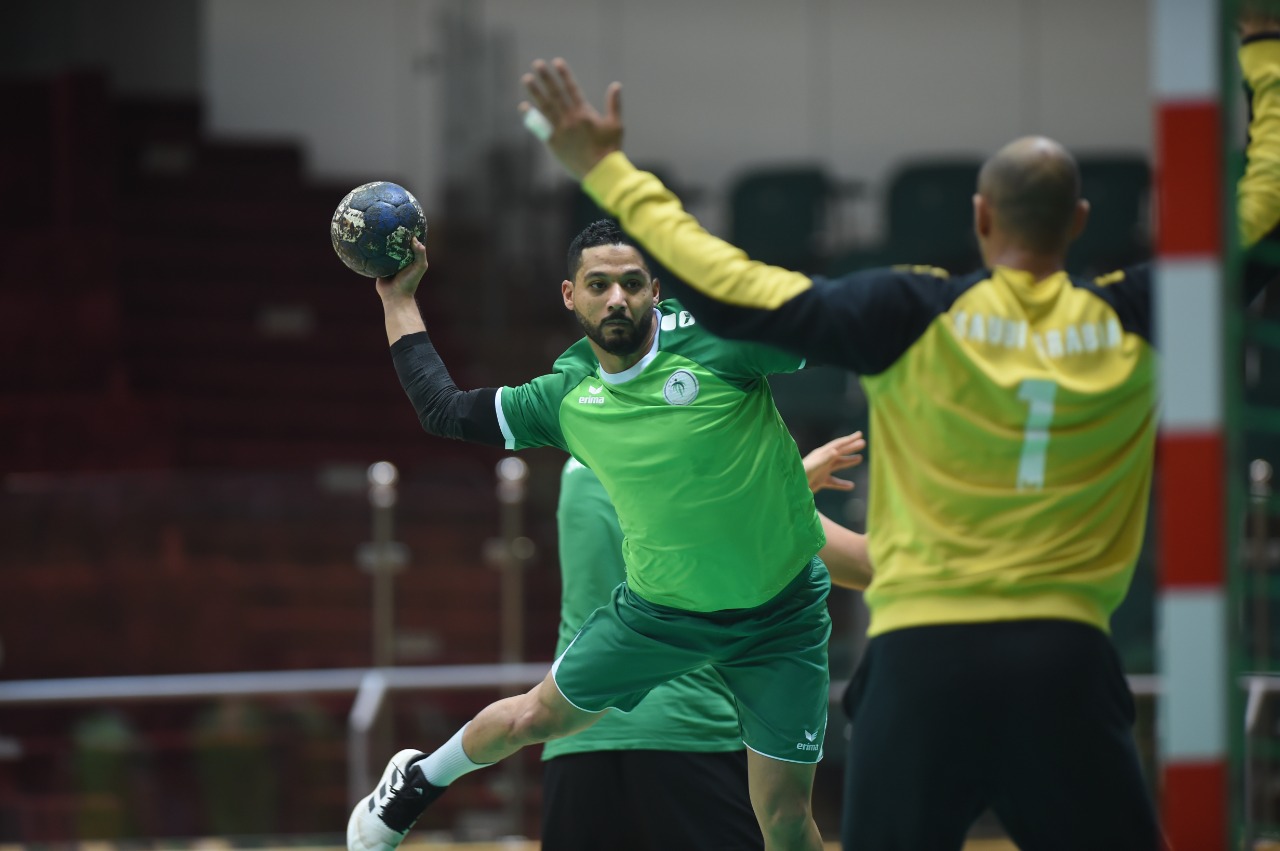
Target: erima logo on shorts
810,744
681,388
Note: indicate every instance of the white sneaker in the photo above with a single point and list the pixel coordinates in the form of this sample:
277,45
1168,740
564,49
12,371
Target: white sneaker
380,822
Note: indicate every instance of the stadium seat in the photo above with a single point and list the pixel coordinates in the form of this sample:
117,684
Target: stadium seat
928,219
778,214
930,214
1118,188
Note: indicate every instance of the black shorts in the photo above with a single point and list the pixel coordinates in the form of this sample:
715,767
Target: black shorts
1032,719
648,801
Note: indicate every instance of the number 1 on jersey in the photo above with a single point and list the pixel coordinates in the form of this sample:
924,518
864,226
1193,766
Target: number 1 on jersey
1038,394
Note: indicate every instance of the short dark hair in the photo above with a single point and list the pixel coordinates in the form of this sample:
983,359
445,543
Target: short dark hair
599,232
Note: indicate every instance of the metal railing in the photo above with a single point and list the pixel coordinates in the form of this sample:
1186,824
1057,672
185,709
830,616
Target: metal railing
370,686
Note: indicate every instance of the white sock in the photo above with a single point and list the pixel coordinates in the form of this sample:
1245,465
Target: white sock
448,762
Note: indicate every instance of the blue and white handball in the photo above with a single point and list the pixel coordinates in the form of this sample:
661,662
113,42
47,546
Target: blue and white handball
374,226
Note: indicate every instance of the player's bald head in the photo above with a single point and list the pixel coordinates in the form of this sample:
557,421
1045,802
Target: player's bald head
1032,185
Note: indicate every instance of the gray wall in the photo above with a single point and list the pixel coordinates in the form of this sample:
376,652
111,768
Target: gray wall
415,87
423,90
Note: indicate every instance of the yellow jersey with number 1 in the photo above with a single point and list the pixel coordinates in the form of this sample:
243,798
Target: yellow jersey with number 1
1013,453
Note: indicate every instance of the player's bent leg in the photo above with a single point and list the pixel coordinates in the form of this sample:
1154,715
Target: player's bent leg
412,780
538,715
781,795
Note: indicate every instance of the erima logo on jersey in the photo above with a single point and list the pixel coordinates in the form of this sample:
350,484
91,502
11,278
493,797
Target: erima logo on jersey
595,398
681,388
671,321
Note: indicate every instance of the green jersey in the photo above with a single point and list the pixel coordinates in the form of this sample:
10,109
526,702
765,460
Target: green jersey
712,498
694,712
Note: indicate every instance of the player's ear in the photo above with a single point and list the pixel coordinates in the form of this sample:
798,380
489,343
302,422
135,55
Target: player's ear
566,292
657,290
1079,219
982,216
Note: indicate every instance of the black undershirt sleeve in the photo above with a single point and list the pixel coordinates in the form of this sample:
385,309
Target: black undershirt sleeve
442,408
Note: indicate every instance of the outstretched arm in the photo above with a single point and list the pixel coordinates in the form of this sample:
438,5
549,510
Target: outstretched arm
861,323
846,553
442,408
822,463
589,146
399,307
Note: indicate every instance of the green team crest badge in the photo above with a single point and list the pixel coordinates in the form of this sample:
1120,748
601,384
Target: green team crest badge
681,388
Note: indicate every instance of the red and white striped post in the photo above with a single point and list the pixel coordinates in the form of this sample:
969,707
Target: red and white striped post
1191,607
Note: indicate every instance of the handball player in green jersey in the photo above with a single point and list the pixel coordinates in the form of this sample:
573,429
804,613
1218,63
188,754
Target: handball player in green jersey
720,535
672,773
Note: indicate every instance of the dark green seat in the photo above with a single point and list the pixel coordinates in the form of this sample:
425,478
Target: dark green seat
778,214
930,214
928,220
1118,189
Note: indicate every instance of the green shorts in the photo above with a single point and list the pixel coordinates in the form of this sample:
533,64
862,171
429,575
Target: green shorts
773,657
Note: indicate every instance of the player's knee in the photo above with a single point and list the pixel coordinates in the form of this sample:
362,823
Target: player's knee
534,723
784,821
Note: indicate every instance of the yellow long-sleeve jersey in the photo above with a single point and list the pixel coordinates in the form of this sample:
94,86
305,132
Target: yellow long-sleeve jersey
1012,422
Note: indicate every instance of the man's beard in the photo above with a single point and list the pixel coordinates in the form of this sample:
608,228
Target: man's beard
615,343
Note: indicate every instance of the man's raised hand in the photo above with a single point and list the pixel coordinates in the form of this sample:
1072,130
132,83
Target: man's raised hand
821,464
405,283
575,133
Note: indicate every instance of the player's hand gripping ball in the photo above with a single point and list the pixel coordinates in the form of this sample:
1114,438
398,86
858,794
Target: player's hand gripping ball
374,226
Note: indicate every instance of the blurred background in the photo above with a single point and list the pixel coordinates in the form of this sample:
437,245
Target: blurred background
194,388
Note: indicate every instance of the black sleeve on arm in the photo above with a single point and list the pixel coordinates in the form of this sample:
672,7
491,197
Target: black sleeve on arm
862,322
442,408
1128,291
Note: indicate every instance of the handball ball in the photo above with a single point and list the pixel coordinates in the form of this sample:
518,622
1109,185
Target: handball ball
374,226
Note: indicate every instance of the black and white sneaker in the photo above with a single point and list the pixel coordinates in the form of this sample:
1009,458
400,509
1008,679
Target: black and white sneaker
380,822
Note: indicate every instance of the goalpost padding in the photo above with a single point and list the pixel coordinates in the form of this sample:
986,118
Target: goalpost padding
1191,602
